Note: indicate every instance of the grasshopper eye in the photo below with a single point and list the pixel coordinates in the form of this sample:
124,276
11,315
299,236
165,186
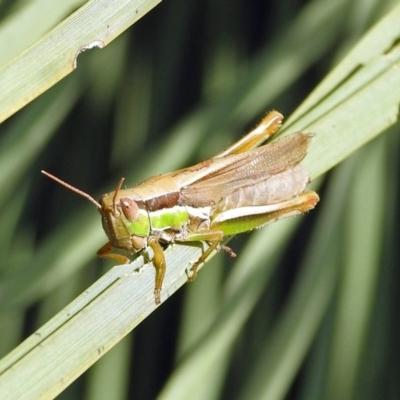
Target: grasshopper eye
129,208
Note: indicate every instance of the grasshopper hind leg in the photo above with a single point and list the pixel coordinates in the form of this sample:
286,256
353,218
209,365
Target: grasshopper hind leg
266,128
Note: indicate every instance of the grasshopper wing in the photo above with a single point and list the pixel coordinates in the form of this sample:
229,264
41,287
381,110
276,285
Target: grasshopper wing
252,175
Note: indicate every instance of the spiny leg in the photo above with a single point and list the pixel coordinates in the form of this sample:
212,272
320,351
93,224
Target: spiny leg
201,260
214,238
228,250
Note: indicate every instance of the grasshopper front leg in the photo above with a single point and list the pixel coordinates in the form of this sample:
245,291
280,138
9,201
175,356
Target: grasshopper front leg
106,252
158,262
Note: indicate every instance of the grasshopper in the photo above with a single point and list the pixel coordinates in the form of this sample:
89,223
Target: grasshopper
245,187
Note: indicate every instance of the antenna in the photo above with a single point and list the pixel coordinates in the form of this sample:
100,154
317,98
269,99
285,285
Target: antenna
121,181
68,186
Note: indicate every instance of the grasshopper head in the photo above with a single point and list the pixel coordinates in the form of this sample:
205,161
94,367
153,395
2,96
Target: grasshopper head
124,222
125,229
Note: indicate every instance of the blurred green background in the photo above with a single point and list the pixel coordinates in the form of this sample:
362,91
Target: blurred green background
176,88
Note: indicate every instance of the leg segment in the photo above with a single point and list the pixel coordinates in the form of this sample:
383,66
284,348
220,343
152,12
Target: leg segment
106,252
160,266
266,128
